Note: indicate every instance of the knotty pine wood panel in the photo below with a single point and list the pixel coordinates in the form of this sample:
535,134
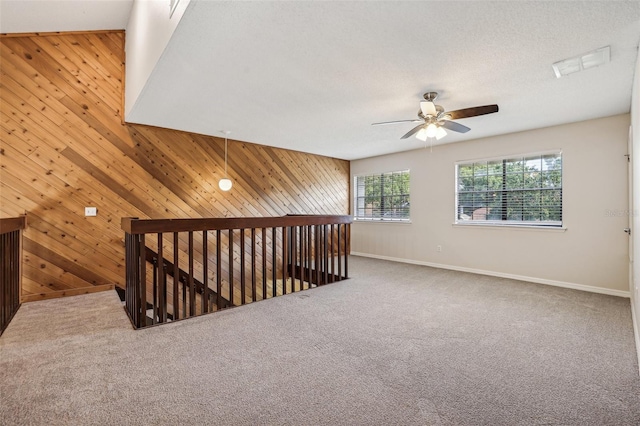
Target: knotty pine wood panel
64,146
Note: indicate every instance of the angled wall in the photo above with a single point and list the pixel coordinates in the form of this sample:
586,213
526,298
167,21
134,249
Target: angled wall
65,147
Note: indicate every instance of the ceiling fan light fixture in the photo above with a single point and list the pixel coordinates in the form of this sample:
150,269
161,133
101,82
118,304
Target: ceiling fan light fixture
422,135
432,130
440,133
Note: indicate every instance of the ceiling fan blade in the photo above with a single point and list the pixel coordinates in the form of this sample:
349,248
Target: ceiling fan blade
428,108
472,112
394,122
413,131
456,127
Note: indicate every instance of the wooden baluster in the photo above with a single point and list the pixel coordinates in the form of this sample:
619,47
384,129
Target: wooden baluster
192,287
274,266
339,252
309,254
284,260
253,264
325,254
162,284
204,300
317,253
176,277
302,256
333,254
129,277
185,301
154,291
218,271
242,273
141,287
347,249
293,237
231,268
264,263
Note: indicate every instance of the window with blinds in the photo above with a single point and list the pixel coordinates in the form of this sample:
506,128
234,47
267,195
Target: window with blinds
382,196
523,190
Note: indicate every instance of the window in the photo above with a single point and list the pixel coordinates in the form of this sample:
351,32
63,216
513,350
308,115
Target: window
524,190
383,196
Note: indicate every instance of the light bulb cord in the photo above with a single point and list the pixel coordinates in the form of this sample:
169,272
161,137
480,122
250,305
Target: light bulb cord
225,157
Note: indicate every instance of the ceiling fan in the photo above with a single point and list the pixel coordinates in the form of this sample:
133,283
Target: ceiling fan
434,120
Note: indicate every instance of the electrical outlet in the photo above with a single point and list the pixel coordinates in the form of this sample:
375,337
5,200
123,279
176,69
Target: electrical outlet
90,211
439,249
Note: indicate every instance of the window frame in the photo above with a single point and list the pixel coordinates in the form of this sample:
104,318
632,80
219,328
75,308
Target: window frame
555,224
381,219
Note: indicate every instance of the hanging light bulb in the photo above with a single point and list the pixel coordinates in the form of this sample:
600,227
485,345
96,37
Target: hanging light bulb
225,183
432,129
422,134
440,133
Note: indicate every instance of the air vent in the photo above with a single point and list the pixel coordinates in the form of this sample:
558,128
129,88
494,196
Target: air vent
582,62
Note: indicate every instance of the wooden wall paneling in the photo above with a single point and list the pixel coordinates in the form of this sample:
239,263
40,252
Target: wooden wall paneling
48,281
48,182
176,179
284,201
72,59
271,173
247,187
65,293
48,67
60,275
65,147
236,199
30,286
201,171
69,264
296,198
75,74
8,208
336,187
52,209
282,204
318,197
86,191
22,71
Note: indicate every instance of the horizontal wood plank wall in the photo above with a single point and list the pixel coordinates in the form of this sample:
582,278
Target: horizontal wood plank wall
64,147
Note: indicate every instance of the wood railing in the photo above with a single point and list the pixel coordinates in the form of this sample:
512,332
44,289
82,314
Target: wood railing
181,268
10,267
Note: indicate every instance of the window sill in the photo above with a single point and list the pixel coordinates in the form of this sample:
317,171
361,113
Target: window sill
510,227
397,222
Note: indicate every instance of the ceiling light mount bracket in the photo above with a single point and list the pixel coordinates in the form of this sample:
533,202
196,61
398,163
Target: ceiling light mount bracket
430,96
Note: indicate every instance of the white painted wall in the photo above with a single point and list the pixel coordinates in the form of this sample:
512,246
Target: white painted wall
591,254
148,32
635,227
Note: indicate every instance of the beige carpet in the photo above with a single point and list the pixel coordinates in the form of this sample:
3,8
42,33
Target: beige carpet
396,344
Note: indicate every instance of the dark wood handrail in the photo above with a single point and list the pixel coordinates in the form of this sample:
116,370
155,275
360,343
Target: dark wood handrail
13,224
181,268
147,226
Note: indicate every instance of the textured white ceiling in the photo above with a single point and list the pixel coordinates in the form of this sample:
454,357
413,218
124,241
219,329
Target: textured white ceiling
313,76
23,16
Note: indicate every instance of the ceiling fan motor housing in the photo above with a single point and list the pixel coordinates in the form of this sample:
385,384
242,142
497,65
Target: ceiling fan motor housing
430,96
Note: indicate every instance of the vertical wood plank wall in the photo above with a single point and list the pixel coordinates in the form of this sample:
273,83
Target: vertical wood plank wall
64,147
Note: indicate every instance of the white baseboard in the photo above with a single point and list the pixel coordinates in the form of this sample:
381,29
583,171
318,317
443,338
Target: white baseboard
573,286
